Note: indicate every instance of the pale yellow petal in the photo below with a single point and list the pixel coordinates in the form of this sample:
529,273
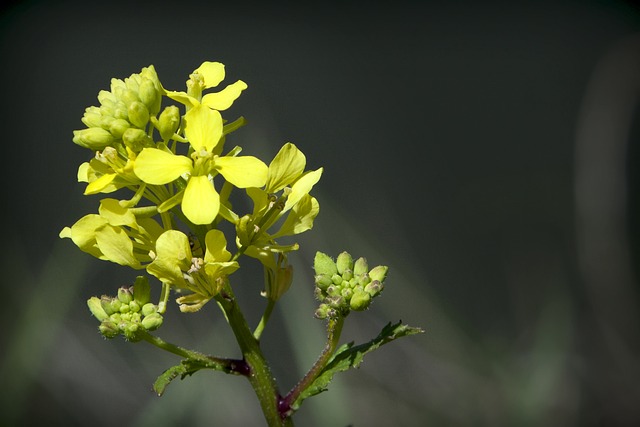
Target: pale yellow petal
212,72
157,167
201,202
243,172
203,127
225,98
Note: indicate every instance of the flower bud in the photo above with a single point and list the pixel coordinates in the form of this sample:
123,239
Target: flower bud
141,290
95,306
92,117
322,312
134,306
152,321
344,262
117,127
168,122
323,264
149,308
93,138
125,295
130,331
379,273
110,305
347,275
374,288
323,281
336,279
109,329
360,267
135,139
149,96
127,96
336,301
360,300
138,114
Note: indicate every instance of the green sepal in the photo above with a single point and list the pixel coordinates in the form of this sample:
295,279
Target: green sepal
349,356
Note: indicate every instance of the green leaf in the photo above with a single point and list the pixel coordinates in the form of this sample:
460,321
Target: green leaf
183,369
349,356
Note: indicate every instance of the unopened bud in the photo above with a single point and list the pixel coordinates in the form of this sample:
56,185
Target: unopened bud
360,267
118,127
135,139
138,114
93,138
125,295
344,262
323,264
374,288
379,273
149,96
323,281
360,300
168,122
110,305
152,321
95,306
109,329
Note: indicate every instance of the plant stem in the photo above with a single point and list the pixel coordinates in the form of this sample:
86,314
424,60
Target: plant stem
265,318
221,364
260,375
334,329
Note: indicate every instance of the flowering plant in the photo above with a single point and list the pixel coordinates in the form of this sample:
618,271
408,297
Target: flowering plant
174,161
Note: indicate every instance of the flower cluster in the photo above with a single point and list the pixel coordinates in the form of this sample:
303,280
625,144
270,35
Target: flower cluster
128,314
344,285
180,175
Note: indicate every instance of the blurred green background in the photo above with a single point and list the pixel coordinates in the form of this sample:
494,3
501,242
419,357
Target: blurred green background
486,151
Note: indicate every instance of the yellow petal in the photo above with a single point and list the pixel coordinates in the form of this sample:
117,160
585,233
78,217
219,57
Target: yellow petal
116,246
212,72
201,202
157,167
203,127
243,172
182,98
216,245
224,99
285,167
301,187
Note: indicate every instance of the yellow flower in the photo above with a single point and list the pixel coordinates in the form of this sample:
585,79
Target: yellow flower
200,200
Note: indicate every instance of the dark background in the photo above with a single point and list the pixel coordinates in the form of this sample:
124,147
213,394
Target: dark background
486,151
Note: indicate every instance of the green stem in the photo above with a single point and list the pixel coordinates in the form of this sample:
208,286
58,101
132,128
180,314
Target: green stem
221,364
265,318
334,329
260,375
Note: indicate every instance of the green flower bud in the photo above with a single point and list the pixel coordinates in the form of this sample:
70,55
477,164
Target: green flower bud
374,288
118,127
323,311
323,281
149,308
336,301
360,267
95,306
124,309
323,264
347,275
168,122
344,262
141,290
138,114
127,96
92,117
360,300
121,111
134,306
333,290
152,321
336,279
149,96
109,329
363,279
110,305
130,332
347,293
95,139
379,273
125,295
135,139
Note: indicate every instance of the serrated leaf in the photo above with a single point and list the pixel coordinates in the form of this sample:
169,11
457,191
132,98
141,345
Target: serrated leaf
349,356
183,369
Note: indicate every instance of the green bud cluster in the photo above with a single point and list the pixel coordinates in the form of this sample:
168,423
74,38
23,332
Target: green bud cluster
127,314
123,114
344,284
